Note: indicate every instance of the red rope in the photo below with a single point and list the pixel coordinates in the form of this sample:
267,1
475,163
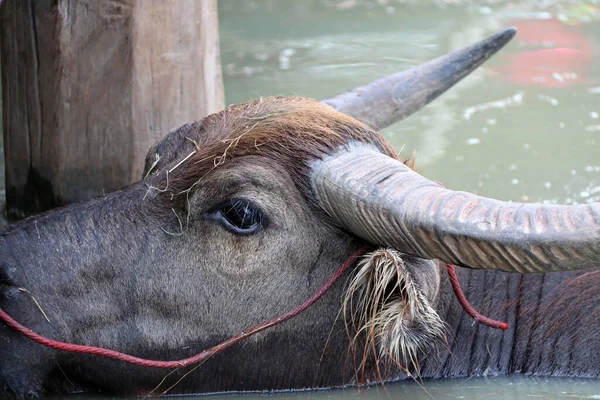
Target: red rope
465,303
492,323
76,348
205,354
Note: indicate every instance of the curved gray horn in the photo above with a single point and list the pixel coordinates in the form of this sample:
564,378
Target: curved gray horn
383,201
394,97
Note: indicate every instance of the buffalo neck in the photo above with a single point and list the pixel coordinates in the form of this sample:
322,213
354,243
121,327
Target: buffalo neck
553,318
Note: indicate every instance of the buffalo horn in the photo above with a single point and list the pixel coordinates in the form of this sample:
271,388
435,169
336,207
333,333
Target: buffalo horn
383,201
394,97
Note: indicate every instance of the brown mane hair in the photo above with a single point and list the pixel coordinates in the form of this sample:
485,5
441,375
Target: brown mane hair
292,131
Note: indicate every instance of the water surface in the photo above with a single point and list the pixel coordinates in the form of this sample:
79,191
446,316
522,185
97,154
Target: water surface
525,127
504,388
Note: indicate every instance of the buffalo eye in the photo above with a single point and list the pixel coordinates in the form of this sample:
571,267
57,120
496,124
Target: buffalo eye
240,216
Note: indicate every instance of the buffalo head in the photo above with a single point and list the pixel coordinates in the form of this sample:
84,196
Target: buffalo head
243,215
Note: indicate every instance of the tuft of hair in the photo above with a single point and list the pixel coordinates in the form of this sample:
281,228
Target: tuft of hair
389,310
290,131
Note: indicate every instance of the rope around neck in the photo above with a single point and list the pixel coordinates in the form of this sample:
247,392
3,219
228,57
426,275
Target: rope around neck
205,354
492,323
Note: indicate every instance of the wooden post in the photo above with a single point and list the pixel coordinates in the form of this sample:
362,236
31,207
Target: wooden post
89,85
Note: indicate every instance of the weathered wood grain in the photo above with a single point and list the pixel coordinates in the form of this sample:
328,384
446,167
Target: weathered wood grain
90,85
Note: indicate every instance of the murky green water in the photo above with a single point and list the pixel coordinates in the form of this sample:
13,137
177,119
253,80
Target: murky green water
526,127
504,388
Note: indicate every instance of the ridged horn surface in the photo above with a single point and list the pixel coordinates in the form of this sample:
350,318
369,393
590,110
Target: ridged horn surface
383,201
394,97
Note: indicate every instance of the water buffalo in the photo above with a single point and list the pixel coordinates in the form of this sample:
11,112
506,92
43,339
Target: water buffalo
243,215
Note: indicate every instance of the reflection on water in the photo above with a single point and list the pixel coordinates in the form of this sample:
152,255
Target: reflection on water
551,55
